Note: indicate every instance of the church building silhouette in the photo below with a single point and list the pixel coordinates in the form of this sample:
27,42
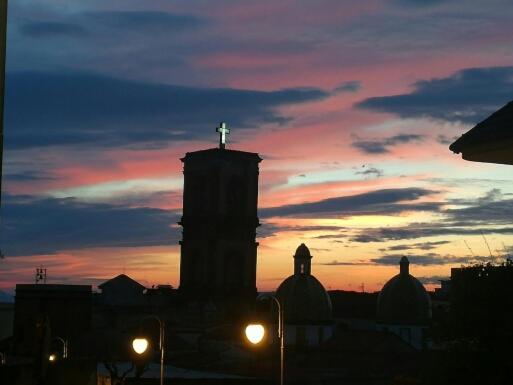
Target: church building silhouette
218,248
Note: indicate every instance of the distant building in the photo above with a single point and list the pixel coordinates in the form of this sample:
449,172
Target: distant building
44,312
354,310
482,301
218,248
122,291
6,319
307,306
404,307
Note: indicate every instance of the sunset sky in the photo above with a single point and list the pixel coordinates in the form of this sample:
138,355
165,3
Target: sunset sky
352,106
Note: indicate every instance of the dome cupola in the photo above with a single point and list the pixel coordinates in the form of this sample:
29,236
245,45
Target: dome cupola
302,260
304,298
403,299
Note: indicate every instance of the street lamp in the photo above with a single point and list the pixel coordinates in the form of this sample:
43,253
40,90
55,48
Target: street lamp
255,332
53,357
2,358
140,345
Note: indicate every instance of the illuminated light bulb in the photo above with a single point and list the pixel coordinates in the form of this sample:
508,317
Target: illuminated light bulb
140,345
255,333
52,357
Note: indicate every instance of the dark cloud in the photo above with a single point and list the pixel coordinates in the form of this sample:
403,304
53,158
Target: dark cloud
382,146
489,214
421,3
344,263
82,108
330,236
422,259
419,245
487,211
383,202
433,279
44,226
371,171
492,195
446,140
130,21
429,259
106,23
268,229
467,96
350,86
45,29
28,176
434,229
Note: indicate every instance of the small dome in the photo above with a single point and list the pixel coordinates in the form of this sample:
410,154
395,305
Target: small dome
302,252
404,300
305,300
303,296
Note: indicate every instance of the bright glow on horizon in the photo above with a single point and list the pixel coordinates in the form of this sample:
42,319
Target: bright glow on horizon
109,190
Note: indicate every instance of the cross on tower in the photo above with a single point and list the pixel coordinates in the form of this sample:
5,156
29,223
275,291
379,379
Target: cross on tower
223,131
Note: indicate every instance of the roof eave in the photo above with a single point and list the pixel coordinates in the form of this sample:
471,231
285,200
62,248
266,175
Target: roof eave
489,152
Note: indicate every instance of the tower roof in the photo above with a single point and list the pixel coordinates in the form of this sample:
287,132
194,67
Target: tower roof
221,154
302,252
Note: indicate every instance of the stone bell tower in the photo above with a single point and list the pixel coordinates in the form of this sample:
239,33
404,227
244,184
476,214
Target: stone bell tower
218,247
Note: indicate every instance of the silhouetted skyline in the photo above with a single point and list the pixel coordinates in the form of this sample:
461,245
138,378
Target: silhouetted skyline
352,107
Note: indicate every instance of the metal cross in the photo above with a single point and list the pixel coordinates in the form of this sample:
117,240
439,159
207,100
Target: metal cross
223,131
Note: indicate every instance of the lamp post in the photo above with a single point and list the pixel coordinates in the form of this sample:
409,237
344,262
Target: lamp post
2,358
140,345
52,357
255,332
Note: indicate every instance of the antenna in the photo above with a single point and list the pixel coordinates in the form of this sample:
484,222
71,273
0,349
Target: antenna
506,252
468,247
487,245
40,275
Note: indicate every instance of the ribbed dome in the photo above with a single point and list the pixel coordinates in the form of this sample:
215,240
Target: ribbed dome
304,298
404,300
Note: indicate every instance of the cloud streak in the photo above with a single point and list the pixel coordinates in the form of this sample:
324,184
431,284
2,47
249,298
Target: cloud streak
81,109
45,226
382,146
466,96
380,202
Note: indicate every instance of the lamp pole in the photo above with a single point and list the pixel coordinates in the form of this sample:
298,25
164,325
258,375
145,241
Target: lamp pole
64,346
142,349
161,344
281,332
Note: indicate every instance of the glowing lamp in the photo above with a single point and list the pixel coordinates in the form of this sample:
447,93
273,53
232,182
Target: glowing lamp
52,357
140,345
255,333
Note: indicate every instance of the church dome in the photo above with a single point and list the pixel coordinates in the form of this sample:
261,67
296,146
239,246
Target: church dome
404,300
304,298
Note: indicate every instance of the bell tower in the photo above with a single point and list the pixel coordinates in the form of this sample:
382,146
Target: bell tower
218,248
